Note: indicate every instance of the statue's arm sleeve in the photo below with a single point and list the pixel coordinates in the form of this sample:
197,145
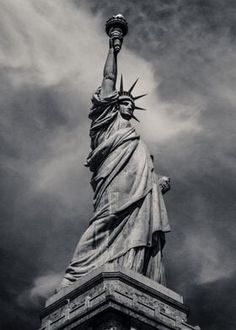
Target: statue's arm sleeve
101,104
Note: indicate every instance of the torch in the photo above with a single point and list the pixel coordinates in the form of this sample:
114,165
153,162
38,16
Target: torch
116,28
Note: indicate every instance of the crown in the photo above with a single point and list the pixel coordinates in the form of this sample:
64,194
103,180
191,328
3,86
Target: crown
126,95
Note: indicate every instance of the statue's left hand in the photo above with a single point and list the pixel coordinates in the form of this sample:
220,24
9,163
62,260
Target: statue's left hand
164,183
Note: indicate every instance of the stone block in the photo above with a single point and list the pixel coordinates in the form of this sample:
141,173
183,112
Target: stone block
113,298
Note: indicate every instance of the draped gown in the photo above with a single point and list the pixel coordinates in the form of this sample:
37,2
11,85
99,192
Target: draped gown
130,220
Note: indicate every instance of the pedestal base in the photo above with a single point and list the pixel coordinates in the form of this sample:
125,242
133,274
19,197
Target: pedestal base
113,298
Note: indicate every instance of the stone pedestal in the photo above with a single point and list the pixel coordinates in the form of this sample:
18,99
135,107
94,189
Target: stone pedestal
113,298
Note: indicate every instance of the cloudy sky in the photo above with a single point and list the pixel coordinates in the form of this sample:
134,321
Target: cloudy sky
51,60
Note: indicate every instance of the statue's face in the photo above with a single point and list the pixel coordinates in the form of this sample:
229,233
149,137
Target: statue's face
127,109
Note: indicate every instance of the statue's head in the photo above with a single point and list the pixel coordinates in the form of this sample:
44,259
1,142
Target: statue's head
127,101
127,107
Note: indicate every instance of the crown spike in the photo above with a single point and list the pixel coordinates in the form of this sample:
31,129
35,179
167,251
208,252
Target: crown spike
132,87
139,96
139,108
121,84
133,116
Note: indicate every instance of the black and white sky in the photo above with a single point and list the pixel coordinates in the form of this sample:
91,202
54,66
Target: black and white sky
51,61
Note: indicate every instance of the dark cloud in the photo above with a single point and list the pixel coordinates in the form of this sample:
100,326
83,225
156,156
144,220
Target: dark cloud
215,304
48,72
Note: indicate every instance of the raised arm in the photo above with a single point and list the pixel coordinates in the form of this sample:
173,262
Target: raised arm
109,72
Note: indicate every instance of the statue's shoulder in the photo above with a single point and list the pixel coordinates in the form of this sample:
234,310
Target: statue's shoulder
103,104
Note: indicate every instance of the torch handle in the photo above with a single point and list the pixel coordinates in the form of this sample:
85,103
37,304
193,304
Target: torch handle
117,45
117,38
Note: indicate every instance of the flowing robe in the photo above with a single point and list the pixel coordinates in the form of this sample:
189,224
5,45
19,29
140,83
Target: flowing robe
130,218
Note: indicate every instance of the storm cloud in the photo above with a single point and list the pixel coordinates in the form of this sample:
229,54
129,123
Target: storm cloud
51,60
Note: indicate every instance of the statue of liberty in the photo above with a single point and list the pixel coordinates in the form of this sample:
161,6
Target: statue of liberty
130,220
